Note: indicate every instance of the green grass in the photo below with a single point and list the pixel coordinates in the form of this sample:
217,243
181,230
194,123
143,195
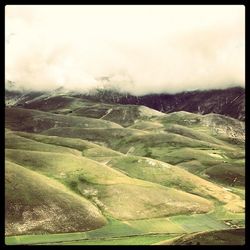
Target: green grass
138,202
44,238
66,166
126,115
220,213
80,164
148,125
87,148
16,141
35,204
197,223
38,121
82,174
171,176
156,225
192,133
181,138
139,232
239,191
132,240
156,171
103,184
114,228
110,137
117,232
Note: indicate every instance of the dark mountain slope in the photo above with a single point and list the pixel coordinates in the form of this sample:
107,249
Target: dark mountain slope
229,102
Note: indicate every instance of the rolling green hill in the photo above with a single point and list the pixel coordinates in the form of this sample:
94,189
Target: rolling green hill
102,185
124,115
37,204
177,139
119,173
174,176
37,121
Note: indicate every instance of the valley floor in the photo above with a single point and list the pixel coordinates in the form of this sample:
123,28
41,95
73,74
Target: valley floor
139,232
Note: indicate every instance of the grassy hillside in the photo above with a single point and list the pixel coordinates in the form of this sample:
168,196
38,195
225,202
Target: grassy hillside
15,141
124,115
120,174
173,176
37,204
137,167
135,232
102,185
204,145
196,148
86,148
107,137
220,237
37,121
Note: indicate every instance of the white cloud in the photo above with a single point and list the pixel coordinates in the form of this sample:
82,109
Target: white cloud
143,49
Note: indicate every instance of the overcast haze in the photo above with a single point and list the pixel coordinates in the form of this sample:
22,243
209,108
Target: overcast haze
141,49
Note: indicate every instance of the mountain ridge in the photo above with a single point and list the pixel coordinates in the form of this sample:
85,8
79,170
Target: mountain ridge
229,102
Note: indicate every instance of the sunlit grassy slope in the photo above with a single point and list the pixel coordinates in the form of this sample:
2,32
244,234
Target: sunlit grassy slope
35,203
112,191
174,176
209,145
140,165
137,167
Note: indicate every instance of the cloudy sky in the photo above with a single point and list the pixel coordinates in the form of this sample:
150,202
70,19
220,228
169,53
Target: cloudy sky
140,49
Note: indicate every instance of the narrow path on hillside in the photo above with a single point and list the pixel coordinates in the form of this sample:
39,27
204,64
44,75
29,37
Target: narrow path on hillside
108,112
